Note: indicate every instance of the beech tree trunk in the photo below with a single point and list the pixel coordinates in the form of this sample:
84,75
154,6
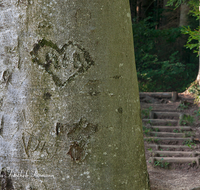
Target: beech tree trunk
198,76
70,112
184,10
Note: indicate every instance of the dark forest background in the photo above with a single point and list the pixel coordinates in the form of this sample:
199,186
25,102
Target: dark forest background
162,60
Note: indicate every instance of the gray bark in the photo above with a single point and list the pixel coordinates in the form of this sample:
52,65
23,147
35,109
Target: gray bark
198,76
69,99
184,10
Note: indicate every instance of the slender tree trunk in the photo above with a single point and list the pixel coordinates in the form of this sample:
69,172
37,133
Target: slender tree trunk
184,10
183,21
198,76
70,113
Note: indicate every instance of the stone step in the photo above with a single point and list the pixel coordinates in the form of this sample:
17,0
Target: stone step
157,139
166,134
156,94
172,107
175,159
164,115
164,130
171,122
175,153
157,147
169,95
170,128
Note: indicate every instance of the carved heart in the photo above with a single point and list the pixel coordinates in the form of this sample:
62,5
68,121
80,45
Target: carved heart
62,64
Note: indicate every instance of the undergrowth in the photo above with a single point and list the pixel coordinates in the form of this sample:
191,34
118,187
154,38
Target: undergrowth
195,91
161,64
187,120
145,113
161,163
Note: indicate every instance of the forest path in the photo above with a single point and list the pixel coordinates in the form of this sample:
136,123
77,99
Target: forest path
171,133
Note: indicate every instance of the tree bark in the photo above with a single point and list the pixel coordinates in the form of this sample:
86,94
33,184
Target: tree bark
198,76
70,112
184,10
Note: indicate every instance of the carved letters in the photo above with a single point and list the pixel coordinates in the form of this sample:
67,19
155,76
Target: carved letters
71,137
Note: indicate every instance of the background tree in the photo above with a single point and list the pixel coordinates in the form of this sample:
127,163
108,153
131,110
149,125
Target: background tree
70,114
194,34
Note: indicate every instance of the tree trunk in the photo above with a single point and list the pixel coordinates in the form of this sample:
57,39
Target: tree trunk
70,113
183,21
184,10
198,76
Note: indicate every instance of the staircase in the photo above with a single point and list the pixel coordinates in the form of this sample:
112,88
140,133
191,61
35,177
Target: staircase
167,132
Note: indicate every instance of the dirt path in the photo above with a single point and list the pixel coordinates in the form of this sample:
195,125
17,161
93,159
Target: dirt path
174,179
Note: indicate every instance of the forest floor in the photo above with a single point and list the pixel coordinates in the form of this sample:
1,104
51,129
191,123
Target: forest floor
177,176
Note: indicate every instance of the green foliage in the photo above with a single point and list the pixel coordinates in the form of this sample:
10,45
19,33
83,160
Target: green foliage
175,3
189,143
146,112
161,163
192,164
183,105
146,130
187,120
158,62
195,90
176,131
155,140
193,40
169,124
188,134
194,8
197,112
194,35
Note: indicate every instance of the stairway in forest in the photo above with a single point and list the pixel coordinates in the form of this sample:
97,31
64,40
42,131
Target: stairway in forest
168,136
